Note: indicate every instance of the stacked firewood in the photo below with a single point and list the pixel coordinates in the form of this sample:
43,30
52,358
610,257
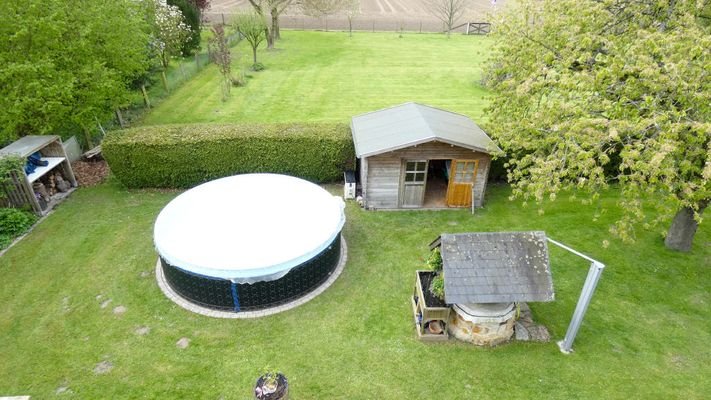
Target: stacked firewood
50,185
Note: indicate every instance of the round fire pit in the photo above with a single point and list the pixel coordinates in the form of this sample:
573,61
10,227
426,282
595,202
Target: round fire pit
249,242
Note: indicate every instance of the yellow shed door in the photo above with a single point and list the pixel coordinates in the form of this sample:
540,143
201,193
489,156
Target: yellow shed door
461,182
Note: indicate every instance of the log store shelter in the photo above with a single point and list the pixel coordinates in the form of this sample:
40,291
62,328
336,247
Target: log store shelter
417,156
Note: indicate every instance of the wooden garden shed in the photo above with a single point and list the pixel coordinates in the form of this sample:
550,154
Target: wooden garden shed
417,156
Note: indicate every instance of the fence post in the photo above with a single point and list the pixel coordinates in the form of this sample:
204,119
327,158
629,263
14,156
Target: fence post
223,19
146,100
119,117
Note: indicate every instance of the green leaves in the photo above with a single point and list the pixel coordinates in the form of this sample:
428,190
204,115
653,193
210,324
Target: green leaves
589,92
65,64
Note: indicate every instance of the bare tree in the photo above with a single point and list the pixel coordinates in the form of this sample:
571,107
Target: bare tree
351,9
274,8
252,27
320,8
222,57
447,11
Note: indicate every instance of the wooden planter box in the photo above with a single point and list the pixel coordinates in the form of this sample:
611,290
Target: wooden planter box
426,313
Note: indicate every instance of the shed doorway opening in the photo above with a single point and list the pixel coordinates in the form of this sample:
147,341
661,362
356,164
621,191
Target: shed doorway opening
437,181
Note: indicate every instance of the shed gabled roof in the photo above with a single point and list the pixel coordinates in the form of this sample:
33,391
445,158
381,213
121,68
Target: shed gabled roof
495,267
410,124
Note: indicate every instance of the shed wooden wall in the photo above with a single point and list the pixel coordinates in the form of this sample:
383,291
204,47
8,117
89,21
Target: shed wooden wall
380,174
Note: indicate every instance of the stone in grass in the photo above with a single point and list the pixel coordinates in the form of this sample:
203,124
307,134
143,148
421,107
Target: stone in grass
103,367
145,274
119,310
521,332
65,304
539,333
142,330
105,303
183,343
62,390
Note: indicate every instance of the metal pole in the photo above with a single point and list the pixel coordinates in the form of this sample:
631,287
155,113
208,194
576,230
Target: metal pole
566,345
594,273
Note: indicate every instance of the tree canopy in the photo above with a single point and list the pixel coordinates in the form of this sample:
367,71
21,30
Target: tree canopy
65,64
589,93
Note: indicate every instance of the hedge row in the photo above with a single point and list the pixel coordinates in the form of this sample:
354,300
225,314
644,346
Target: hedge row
181,156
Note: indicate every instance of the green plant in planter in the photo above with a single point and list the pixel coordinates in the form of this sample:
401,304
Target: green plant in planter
437,285
272,385
434,261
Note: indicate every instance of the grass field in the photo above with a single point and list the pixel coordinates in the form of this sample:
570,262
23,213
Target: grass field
646,334
327,76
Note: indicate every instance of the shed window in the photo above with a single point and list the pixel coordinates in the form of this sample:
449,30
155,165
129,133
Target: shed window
415,171
465,171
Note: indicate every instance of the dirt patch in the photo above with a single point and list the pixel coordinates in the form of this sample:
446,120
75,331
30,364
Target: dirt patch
142,330
120,310
103,367
90,173
183,343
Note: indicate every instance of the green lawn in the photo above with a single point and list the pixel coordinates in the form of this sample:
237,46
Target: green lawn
327,76
646,335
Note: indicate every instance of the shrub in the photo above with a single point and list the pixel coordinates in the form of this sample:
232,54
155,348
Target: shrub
180,156
437,286
258,67
434,261
13,223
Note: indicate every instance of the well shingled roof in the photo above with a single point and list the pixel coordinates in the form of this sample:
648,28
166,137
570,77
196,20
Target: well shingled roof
495,267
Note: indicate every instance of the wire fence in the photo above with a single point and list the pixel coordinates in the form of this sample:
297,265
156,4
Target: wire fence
358,23
155,89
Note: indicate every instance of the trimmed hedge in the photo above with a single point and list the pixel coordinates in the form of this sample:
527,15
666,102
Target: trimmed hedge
181,156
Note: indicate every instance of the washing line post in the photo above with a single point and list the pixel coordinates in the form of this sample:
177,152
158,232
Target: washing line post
596,268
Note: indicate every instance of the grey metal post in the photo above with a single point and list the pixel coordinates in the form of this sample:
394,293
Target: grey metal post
596,267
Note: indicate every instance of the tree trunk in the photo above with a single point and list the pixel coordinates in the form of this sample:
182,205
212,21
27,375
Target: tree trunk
681,232
254,54
87,137
275,24
270,38
164,78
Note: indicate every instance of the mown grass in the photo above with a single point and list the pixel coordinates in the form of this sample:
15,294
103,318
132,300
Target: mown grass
327,76
646,333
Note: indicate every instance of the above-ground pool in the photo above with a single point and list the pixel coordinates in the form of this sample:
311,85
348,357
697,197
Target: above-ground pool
249,242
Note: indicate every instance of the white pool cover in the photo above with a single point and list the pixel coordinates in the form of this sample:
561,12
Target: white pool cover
248,228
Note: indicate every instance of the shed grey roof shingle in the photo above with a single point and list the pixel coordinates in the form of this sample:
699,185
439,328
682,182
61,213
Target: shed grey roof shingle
410,124
496,267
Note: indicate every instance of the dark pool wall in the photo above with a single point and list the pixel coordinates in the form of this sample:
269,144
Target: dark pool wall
222,294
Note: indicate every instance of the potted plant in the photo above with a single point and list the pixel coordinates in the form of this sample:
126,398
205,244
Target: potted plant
272,385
